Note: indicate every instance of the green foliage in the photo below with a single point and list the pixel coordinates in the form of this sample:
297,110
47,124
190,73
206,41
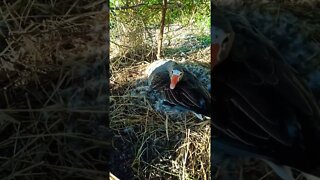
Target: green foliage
133,23
204,40
181,12
192,11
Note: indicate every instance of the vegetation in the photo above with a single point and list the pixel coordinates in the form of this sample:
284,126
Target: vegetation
52,125
148,143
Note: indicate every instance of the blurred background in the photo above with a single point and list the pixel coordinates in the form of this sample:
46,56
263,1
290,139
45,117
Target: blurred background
53,89
293,28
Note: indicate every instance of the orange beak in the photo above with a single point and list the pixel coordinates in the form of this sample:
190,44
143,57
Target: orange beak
174,81
214,53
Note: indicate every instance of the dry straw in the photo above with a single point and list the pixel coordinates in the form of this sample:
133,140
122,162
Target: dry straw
49,48
158,144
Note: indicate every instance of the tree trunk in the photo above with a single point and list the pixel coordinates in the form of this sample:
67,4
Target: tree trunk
162,25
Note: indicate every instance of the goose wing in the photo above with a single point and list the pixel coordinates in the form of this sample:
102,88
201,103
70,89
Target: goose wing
190,94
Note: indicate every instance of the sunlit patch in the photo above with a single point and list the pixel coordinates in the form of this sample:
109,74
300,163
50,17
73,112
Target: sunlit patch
155,65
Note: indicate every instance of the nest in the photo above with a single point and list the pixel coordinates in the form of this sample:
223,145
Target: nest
148,143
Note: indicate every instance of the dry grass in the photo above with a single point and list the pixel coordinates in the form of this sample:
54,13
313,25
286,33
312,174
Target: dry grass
50,61
149,144
53,123
155,145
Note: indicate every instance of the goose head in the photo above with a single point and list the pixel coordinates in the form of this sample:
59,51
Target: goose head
165,69
176,74
222,38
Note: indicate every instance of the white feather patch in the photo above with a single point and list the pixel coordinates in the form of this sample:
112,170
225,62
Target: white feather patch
155,65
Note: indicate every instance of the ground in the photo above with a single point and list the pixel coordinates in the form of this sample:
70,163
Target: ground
148,143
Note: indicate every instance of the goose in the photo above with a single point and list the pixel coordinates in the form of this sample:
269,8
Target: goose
179,88
260,107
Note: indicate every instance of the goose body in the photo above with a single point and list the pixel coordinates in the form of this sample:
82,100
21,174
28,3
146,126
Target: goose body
179,88
260,106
